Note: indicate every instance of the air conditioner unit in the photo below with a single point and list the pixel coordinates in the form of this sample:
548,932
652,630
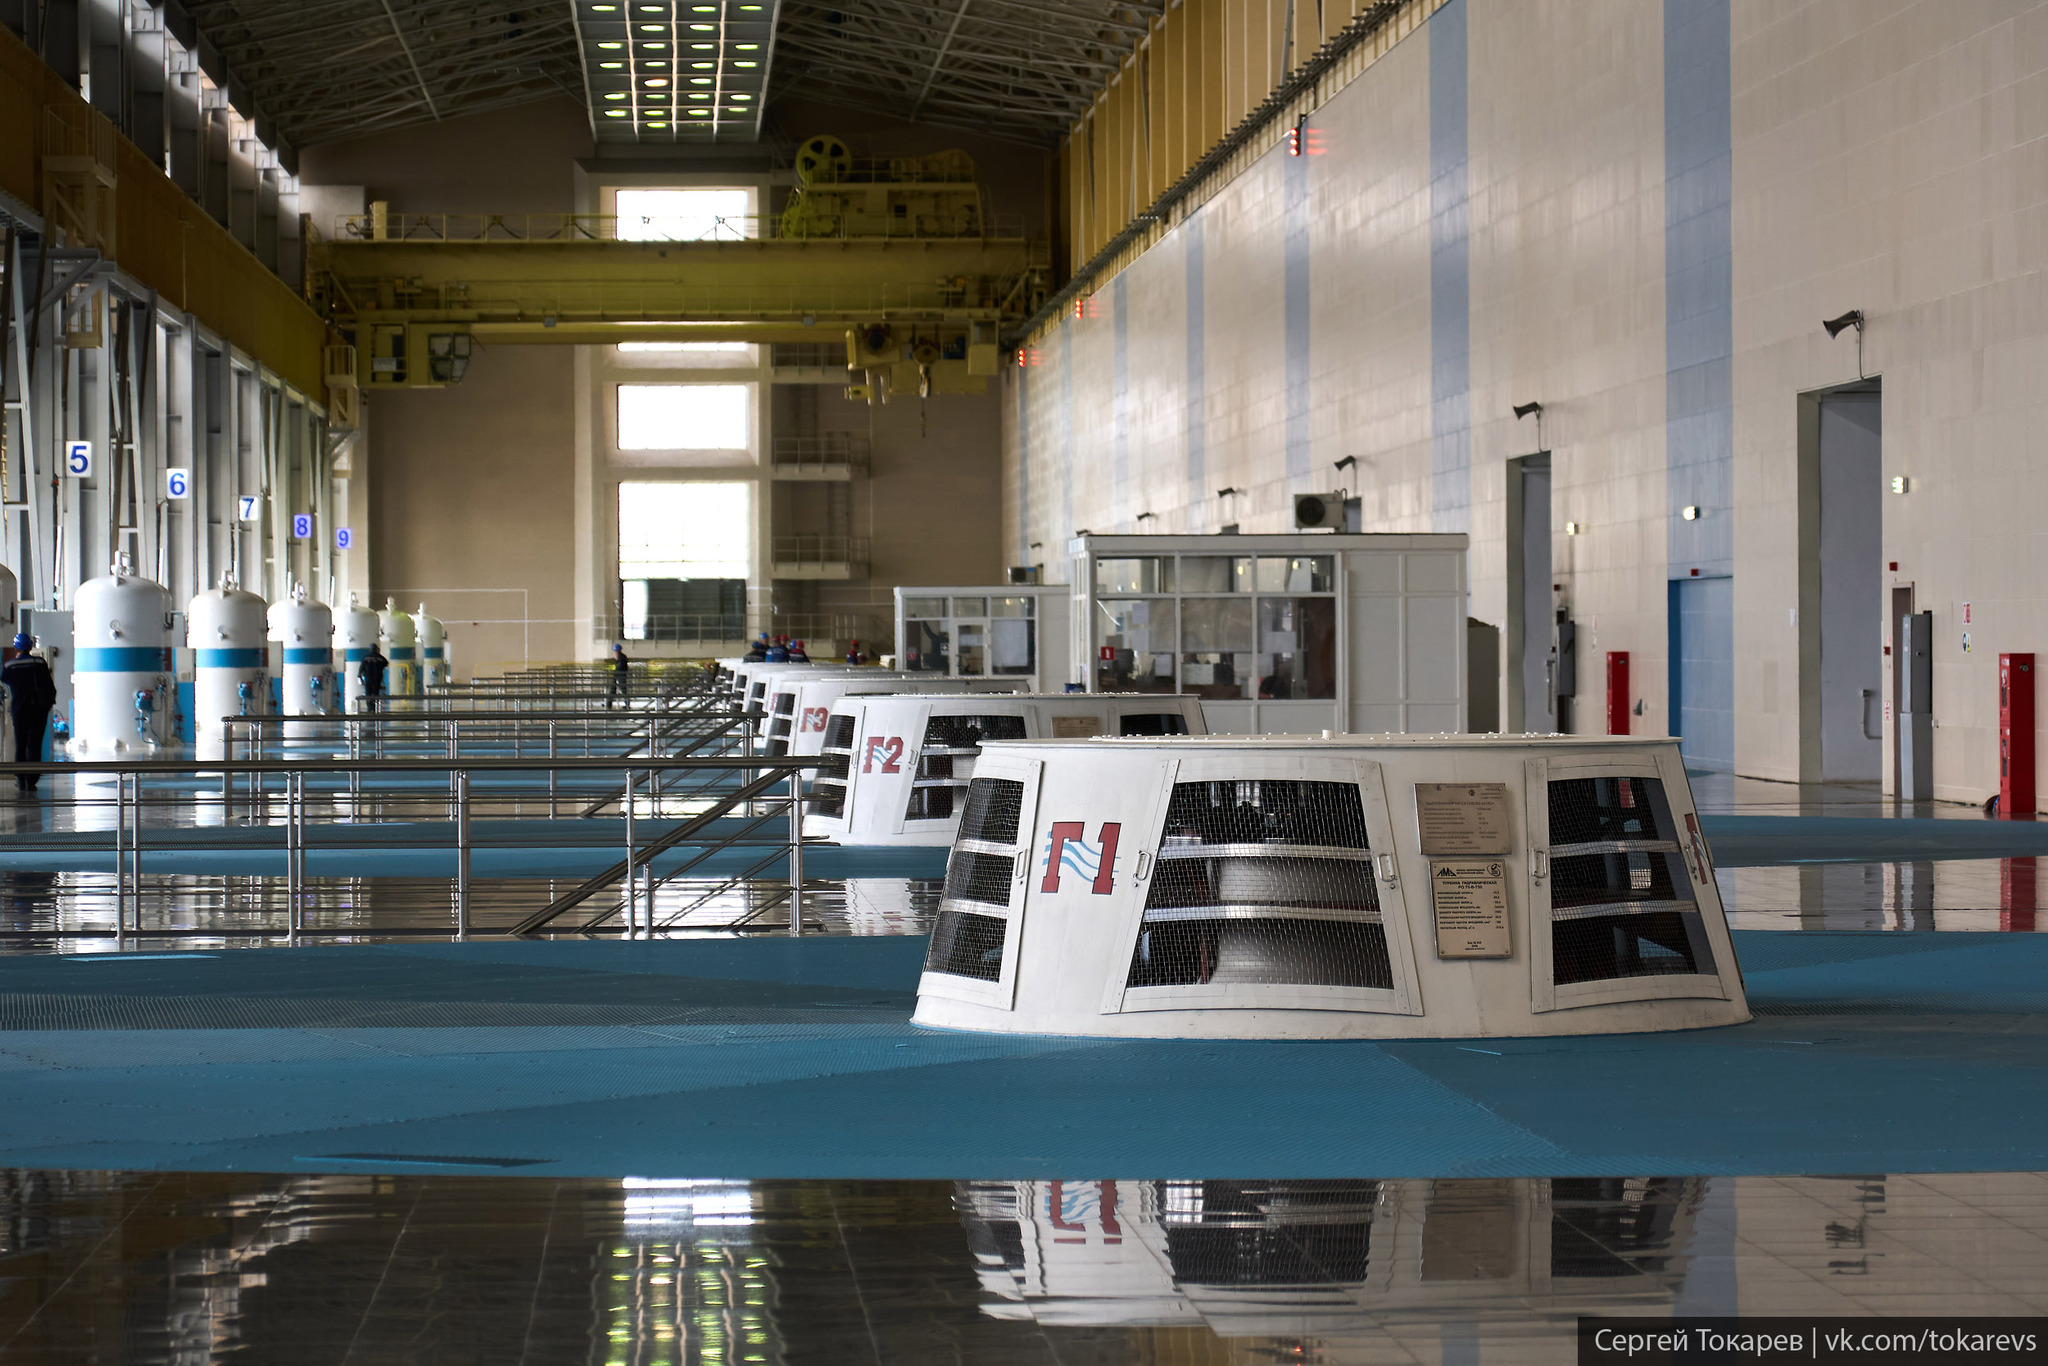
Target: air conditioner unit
1319,512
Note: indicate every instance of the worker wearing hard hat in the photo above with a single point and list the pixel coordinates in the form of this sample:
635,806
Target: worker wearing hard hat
31,693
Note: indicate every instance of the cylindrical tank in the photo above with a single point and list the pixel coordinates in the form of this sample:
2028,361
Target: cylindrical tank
227,632
10,626
304,630
433,638
121,665
355,631
399,640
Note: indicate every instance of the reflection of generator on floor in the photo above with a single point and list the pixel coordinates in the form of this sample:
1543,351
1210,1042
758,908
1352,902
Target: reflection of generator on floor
1356,886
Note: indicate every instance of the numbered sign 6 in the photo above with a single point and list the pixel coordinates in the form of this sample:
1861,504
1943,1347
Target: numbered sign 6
247,507
343,538
302,526
78,459
177,482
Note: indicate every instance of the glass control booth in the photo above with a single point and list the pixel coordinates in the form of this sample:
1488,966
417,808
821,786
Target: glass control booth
1017,631
1287,634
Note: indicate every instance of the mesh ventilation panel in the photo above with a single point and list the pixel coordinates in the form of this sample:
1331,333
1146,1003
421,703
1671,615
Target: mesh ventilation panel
1263,882
1622,903
948,740
1152,723
967,945
975,876
828,789
994,808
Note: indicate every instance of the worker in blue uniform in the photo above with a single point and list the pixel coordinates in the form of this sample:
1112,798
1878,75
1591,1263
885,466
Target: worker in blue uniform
370,669
621,679
778,653
797,654
31,693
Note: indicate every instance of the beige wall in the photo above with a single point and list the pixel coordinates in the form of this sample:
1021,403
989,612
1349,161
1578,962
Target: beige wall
1887,155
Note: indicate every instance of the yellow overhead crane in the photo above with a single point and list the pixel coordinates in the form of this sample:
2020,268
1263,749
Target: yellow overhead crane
896,257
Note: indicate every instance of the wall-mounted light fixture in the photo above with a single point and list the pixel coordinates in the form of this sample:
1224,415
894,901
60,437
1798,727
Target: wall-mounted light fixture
1227,493
1571,528
1690,512
1348,462
1900,483
1037,544
1146,516
1532,409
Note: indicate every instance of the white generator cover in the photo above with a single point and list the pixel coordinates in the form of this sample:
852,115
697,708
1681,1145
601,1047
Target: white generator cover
1362,886
798,704
896,767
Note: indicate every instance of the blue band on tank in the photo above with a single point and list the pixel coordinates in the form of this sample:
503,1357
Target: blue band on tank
229,659
304,656
401,652
355,652
434,651
120,659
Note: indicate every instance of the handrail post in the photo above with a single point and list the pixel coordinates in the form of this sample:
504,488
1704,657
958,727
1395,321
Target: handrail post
553,754
796,853
135,849
120,860
227,778
632,876
462,853
292,835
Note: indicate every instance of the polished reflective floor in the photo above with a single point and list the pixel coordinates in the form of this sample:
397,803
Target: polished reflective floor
127,1269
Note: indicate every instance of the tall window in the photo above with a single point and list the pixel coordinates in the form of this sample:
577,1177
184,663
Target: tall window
685,530
685,215
684,417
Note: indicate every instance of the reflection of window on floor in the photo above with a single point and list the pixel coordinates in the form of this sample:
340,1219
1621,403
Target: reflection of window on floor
685,215
684,549
684,417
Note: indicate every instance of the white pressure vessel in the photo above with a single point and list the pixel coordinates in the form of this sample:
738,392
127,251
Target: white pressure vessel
228,634
121,665
304,630
355,631
400,642
433,638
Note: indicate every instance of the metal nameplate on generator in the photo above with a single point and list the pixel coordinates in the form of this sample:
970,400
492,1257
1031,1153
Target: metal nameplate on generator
1075,727
1464,818
1470,897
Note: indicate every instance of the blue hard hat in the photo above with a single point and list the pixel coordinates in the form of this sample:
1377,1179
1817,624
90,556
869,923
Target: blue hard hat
22,643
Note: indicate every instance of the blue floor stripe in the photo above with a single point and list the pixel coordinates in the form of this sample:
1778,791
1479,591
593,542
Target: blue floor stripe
1871,1052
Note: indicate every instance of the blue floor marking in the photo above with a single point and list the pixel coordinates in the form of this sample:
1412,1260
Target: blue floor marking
1871,1052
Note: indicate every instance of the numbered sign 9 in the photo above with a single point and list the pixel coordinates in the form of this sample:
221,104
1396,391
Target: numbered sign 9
343,538
177,482
302,526
247,507
78,459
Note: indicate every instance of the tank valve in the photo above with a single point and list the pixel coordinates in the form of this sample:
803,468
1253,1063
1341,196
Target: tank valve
247,692
145,713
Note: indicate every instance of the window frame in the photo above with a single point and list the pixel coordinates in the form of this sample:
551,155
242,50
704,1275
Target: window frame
749,392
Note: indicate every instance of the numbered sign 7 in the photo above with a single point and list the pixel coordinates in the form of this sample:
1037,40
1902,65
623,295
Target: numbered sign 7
78,459
177,482
246,506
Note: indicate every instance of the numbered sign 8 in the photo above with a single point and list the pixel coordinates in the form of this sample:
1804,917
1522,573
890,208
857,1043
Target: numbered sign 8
247,505
78,459
177,482
302,526
343,538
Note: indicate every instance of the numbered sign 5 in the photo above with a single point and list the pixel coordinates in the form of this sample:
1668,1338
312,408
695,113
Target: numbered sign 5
78,459
302,526
247,507
343,538
177,482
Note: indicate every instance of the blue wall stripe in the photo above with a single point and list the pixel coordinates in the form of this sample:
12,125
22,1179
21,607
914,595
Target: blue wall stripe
1295,290
1120,404
1197,395
1699,402
1698,287
1450,274
229,659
